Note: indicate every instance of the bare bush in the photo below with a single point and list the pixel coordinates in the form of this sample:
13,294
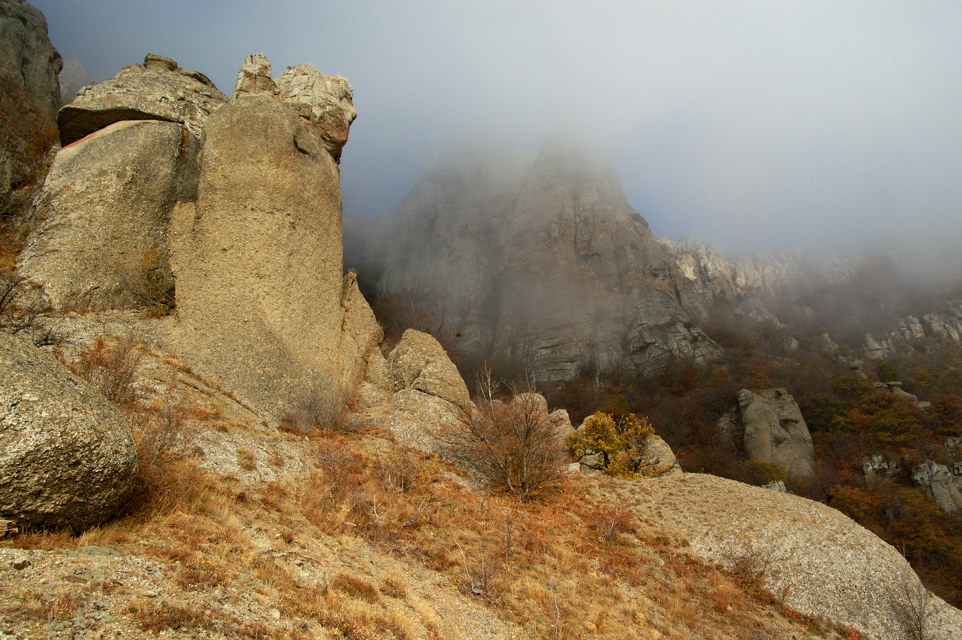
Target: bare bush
511,444
22,307
312,409
112,368
149,282
481,573
913,606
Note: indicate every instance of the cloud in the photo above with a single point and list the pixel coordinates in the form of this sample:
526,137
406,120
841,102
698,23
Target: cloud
751,124
73,76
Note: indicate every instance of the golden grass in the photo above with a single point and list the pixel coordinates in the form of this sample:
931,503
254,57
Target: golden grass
567,566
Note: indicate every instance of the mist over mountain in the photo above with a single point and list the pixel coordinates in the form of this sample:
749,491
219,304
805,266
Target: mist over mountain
537,257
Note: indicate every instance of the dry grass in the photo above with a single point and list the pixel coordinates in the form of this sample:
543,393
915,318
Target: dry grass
569,565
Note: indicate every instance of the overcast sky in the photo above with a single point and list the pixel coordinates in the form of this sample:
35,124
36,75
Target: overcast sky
751,125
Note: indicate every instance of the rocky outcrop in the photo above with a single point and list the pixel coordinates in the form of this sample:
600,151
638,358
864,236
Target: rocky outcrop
416,392
819,561
169,196
67,458
155,90
101,221
29,99
944,325
258,259
939,482
775,431
325,101
541,261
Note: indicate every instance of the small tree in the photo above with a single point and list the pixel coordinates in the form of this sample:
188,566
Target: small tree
913,606
511,444
622,441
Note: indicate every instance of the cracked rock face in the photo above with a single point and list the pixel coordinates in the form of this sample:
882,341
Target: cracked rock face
152,91
775,431
67,458
26,51
324,100
538,259
419,362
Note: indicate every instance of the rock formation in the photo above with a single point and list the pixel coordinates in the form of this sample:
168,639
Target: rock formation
101,221
257,259
775,431
943,325
67,458
29,99
419,362
940,483
158,90
27,54
168,195
539,261
414,392
821,562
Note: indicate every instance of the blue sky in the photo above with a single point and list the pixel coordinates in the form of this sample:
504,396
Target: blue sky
748,124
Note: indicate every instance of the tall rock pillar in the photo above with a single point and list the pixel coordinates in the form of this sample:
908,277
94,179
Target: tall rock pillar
258,259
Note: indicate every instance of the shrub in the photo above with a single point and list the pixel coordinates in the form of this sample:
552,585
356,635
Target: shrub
622,440
512,445
150,282
312,409
22,307
761,473
112,369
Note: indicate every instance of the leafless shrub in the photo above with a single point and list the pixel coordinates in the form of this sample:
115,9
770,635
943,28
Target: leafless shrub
112,368
312,409
558,615
22,307
610,521
397,470
160,432
511,444
481,573
913,606
749,564
149,282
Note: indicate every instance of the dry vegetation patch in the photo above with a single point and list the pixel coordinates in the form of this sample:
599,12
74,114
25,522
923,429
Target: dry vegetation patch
347,534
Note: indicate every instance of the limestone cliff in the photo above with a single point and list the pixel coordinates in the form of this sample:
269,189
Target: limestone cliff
538,260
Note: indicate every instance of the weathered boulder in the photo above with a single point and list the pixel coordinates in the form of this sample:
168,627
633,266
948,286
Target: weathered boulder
324,100
152,91
100,236
775,431
416,393
817,560
258,260
938,480
660,456
67,458
419,362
